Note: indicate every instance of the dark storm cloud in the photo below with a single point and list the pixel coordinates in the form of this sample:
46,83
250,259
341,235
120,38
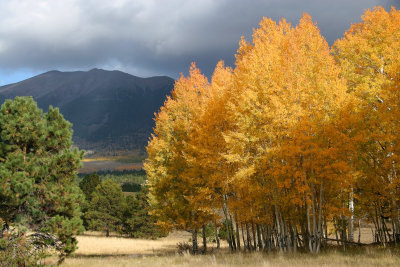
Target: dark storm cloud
150,37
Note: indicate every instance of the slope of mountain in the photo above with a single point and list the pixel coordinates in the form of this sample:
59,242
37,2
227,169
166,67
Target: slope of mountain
109,109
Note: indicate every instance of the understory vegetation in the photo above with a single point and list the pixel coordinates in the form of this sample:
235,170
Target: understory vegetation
130,180
109,209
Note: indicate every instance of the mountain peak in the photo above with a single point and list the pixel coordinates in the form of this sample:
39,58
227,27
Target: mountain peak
96,70
107,108
52,71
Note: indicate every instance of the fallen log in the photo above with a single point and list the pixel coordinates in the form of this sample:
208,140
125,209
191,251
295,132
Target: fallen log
346,242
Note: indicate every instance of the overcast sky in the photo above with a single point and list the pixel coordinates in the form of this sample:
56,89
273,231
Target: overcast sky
148,37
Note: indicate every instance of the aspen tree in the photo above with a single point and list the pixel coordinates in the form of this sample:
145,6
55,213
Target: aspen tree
172,184
369,57
288,85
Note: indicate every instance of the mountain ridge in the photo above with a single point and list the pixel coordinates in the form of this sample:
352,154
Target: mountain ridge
109,109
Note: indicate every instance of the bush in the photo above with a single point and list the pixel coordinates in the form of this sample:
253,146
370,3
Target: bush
184,248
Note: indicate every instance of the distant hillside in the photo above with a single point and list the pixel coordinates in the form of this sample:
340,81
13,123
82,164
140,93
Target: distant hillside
110,110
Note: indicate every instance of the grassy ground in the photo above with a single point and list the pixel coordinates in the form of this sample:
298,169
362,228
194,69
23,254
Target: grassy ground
371,257
97,250
95,244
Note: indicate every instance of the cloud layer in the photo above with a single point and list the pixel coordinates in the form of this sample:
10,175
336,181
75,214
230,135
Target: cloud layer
149,37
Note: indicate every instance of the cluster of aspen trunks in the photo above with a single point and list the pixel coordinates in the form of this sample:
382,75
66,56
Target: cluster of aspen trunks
297,146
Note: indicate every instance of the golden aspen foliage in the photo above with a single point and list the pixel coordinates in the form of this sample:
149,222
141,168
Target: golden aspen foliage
207,143
288,87
290,146
168,171
369,55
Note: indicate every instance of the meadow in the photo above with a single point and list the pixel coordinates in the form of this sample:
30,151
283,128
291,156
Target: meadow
116,161
108,164
97,250
255,259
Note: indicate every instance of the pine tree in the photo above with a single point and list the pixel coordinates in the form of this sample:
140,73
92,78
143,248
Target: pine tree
137,220
88,184
39,195
107,207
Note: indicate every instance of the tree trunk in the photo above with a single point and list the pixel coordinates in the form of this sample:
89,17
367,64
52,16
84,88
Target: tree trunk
269,241
319,234
278,229
309,228
227,225
253,230
263,237
294,235
248,237
216,235
394,231
384,230
259,237
351,219
237,232
337,237
232,232
194,242
326,231
314,217
204,240
343,234
243,238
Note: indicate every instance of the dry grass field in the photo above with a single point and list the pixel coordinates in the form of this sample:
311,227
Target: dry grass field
95,244
118,161
96,165
97,250
254,259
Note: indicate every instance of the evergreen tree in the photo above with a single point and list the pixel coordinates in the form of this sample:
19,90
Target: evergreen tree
137,220
38,194
107,207
89,183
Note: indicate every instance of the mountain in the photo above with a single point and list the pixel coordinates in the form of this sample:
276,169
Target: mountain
109,109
